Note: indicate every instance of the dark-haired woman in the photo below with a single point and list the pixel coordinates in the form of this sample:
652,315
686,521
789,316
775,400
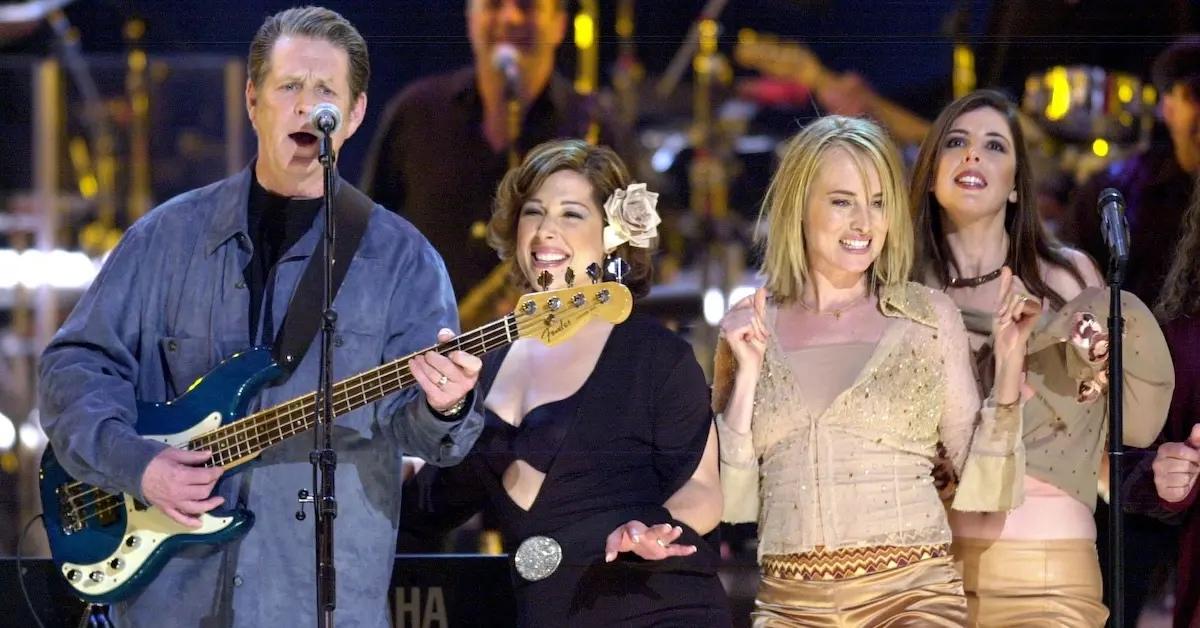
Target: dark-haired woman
598,457
973,198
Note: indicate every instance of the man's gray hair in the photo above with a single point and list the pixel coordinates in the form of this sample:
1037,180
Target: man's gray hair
316,23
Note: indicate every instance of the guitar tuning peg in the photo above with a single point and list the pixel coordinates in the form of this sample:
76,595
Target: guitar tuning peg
569,277
617,269
544,280
593,271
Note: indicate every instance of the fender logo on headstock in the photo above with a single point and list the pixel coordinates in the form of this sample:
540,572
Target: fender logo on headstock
553,316
555,327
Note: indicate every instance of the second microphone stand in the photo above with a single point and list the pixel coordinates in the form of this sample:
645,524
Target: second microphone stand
1116,429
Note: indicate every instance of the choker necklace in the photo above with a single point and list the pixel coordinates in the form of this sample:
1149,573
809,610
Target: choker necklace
837,313
971,282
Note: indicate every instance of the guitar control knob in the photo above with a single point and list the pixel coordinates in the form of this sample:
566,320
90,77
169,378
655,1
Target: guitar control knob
74,575
116,563
132,542
96,576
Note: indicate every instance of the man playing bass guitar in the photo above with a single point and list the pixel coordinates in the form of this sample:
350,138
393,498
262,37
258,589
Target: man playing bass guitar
211,273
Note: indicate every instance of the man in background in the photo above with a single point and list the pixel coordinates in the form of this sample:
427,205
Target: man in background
446,141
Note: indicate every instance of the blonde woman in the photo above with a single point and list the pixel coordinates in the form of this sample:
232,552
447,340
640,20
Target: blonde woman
837,381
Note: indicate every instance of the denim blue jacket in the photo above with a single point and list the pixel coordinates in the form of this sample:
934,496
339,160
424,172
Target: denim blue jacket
168,305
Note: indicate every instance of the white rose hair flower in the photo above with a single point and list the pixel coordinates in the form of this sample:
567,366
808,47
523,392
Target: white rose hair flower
632,217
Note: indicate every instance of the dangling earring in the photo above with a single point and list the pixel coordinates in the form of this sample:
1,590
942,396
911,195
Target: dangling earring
595,273
615,268
1012,197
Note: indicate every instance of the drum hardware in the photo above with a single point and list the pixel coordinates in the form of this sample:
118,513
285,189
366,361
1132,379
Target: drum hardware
1086,103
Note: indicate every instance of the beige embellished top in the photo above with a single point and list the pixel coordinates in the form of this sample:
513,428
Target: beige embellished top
858,471
1066,421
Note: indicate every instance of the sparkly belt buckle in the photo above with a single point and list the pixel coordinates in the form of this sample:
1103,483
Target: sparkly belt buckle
537,557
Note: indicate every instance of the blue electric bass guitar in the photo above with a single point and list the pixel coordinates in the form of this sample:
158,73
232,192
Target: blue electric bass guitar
109,545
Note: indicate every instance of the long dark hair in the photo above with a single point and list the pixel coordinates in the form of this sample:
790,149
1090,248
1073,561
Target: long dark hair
1029,244
1180,295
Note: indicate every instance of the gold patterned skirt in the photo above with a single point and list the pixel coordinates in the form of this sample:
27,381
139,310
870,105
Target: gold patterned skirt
1031,583
863,586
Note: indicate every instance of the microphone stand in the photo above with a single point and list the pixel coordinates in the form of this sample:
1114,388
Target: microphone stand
323,457
1116,410
512,120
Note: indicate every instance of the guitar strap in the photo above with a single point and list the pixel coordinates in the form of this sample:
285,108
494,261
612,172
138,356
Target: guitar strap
302,320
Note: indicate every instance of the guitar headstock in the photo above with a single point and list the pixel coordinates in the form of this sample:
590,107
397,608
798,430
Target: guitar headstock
555,315
783,59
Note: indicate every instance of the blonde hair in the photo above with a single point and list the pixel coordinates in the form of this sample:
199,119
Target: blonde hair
785,264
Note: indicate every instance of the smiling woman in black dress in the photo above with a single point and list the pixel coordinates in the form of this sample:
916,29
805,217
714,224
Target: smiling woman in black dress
599,453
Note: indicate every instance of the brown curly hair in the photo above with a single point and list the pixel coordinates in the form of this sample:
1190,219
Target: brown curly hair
1180,294
600,166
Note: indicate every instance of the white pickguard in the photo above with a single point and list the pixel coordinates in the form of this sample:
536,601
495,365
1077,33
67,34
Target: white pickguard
150,527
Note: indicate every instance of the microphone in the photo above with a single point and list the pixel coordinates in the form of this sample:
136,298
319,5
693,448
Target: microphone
505,60
1116,231
326,118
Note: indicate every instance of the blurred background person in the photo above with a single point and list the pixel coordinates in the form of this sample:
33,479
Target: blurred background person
446,140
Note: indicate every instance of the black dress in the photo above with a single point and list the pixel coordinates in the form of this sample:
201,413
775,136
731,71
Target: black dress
614,451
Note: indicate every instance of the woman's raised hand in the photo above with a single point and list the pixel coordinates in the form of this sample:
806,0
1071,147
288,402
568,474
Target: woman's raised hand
744,327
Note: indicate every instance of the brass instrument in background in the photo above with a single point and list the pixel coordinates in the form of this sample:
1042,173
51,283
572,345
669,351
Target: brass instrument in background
494,294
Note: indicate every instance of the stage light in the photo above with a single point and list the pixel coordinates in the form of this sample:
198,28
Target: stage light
585,31
55,269
1100,147
1060,93
1125,92
739,293
714,306
8,433
32,437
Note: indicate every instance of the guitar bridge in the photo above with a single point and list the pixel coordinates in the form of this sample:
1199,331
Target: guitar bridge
68,513
104,507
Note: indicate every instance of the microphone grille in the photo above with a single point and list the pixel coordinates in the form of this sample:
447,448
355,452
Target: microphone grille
326,111
504,56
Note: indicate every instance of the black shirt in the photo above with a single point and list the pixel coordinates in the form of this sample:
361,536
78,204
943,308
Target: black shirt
614,451
274,223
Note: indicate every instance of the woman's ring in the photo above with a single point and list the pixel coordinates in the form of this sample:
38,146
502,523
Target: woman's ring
441,383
